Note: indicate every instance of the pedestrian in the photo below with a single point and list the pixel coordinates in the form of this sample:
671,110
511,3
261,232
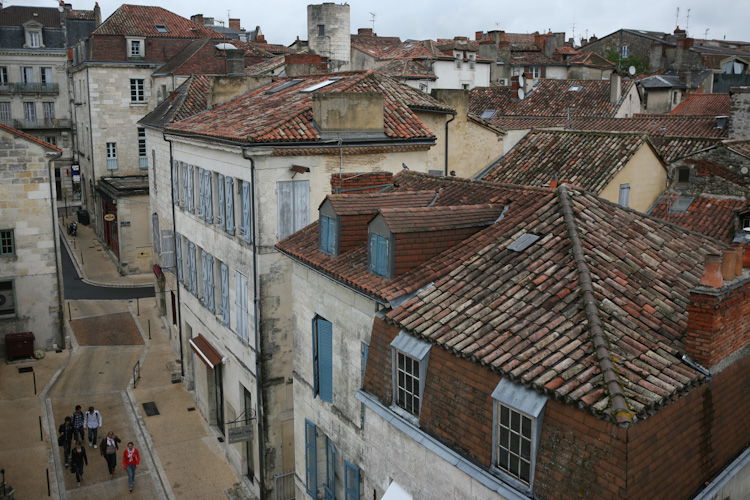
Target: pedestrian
108,449
77,461
130,459
78,418
65,437
92,421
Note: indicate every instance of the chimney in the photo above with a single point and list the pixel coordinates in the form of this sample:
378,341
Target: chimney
514,85
478,35
712,272
349,112
261,38
197,19
553,184
365,32
305,64
739,121
234,24
740,249
728,264
593,39
97,14
235,62
615,88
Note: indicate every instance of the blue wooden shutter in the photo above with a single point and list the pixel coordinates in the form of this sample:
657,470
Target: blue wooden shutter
372,251
624,200
201,193
210,283
351,481
209,213
315,358
245,229
229,199
384,256
224,293
311,459
178,258
191,189
183,198
330,489
175,182
325,359
220,199
193,269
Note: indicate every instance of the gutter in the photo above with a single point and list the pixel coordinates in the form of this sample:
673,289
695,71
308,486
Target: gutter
52,156
446,143
256,321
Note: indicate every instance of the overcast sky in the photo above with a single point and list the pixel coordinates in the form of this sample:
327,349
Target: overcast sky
283,20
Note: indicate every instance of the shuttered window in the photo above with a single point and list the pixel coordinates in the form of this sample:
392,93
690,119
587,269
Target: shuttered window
201,193
311,459
192,269
328,233
245,227
240,299
191,189
229,205
178,258
208,211
624,199
175,183
323,359
330,488
220,200
351,481
183,198
167,249
379,255
224,306
293,206
207,280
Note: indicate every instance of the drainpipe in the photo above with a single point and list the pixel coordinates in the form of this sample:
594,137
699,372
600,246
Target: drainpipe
174,237
256,315
453,117
52,156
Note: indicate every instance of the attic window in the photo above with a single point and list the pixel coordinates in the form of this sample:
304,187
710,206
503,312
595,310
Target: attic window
320,85
487,114
574,88
681,204
683,174
523,242
161,28
284,85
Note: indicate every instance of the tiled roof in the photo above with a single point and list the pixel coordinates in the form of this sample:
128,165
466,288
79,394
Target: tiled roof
141,20
373,45
369,203
709,215
29,138
286,115
252,49
188,99
411,220
590,59
266,67
565,49
594,312
532,57
496,99
674,148
16,15
417,49
273,48
739,146
586,159
560,97
86,15
704,104
406,68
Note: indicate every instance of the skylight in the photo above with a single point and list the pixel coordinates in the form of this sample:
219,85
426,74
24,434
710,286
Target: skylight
681,204
523,242
487,114
574,88
284,85
320,85
161,28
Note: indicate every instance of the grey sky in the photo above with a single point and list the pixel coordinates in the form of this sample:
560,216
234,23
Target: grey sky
282,20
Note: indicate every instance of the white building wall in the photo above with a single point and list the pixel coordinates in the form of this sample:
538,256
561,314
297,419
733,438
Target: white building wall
631,104
450,76
556,72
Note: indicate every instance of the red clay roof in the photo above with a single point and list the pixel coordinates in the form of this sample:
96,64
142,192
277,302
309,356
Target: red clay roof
590,59
438,218
704,105
710,215
141,20
410,69
741,146
286,115
586,159
374,45
369,203
674,148
29,138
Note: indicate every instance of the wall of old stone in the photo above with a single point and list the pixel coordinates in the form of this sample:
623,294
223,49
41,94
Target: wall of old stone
739,123
335,41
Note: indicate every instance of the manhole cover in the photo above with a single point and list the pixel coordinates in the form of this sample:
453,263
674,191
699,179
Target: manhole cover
150,409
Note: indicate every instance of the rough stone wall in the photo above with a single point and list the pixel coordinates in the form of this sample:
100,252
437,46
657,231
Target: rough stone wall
719,156
135,238
335,40
650,51
739,123
26,204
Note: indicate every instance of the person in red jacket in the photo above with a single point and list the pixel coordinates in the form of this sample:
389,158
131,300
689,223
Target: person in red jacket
130,459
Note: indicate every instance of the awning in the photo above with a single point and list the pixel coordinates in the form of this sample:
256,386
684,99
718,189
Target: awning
206,351
395,492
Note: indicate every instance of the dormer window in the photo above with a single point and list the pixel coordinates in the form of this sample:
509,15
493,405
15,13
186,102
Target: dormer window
328,235
33,34
136,48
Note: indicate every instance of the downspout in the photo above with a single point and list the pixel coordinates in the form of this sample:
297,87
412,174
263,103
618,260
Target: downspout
91,150
52,156
174,237
256,321
453,117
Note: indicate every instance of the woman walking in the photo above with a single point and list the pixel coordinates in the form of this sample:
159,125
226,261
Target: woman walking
77,461
130,459
108,448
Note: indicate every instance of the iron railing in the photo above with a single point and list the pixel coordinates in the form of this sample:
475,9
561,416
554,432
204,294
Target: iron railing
30,88
25,123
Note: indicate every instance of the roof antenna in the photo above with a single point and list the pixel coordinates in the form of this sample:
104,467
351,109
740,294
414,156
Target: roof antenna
687,22
372,20
677,17
705,34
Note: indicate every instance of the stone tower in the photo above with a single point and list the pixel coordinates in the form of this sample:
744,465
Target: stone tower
328,33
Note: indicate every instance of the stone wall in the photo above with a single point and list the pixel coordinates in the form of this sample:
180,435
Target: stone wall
334,41
739,123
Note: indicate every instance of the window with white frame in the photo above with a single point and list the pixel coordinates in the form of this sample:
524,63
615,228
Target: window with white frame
624,197
27,74
536,72
45,74
48,107
135,48
142,154
224,291
3,75
246,230
517,419
136,90
624,51
111,156
7,298
33,34
5,116
7,243
410,358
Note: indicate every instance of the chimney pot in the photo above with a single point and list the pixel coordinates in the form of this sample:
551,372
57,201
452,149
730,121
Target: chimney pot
738,262
234,24
728,259
553,184
712,271
478,35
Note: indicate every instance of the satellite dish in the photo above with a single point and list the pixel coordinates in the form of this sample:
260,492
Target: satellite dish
521,81
521,94
631,70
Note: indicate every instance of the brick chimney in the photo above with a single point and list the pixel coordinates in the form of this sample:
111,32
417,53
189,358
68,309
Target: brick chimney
365,32
197,19
615,88
305,64
234,24
718,313
478,35
235,62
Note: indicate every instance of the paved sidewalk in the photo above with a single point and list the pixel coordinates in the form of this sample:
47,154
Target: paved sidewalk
92,261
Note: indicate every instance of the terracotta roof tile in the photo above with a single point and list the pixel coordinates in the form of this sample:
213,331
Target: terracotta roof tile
190,98
29,138
704,105
674,148
373,45
406,69
590,59
741,146
437,218
141,20
712,216
369,203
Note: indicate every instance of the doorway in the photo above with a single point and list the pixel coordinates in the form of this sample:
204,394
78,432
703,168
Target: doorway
250,444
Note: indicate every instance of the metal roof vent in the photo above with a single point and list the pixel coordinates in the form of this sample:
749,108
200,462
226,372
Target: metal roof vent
523,242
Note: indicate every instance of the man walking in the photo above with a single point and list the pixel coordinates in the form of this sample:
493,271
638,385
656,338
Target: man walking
92,422
77,419
66,438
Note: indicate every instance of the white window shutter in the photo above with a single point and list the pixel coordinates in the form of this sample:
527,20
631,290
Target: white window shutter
229,198
285,208
168,249
209,213
220,199
301,205
224,270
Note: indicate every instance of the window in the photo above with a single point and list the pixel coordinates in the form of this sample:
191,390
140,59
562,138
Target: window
161,28
192,269
49,110
5,112
624,198
207,279
517,416
410,357
136,90
111,156
34,36
207,199
683,174
29,111
458,63
379,255
322,359
190,194
51,139
7,243
220,204
328,234
46,75
351,481
330,486
178,259
3,75
229,205
245,215
175,182
321,30
27,74
320,85
142,155
240,300
293,206
135,48
536,72
311,458
7,299
745,222
624,51
224,305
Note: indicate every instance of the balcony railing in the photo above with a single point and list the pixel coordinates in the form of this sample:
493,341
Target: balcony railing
143,162
29,88
49,123
111,163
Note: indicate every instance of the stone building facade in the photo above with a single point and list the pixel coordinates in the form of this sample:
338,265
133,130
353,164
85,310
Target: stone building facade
328,33
30,276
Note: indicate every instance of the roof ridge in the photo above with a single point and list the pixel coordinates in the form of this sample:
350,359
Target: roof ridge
618,403
517,187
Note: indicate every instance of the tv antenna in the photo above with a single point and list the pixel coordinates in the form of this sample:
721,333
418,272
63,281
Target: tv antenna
573,28
687,21
705,34
677,17
372,20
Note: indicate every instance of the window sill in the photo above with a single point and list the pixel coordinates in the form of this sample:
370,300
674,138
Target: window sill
138,103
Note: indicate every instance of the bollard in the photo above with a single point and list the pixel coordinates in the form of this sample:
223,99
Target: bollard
138,306
149,329
82,257
70,316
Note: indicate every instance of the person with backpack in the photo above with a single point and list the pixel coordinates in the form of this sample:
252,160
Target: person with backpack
65,438
92,421
77,461
78,419
131,458
108,449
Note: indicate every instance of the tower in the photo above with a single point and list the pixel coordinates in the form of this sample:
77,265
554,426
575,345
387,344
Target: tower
328,33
